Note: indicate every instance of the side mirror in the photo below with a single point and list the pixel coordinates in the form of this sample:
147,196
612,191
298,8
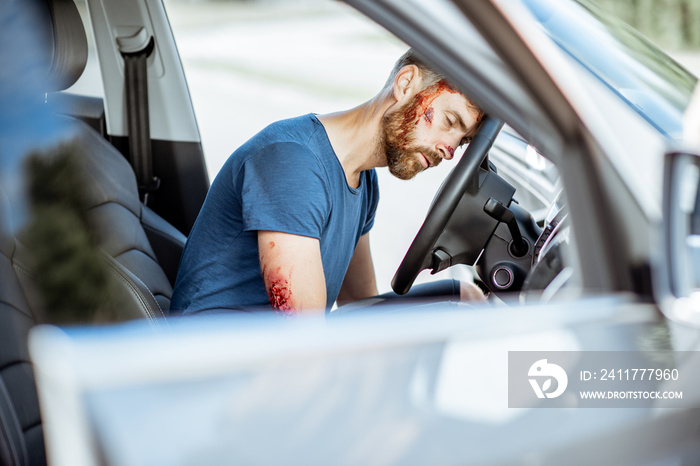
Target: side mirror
681,234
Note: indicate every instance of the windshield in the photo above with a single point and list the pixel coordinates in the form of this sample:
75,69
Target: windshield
642,75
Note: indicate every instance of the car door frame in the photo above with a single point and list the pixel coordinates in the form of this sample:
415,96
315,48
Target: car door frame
177,154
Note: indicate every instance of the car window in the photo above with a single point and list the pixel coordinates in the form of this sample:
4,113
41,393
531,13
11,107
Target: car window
535,178
249,64
642,75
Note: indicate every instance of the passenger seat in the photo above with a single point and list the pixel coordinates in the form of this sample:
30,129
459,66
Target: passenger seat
21,435
131,233
127,229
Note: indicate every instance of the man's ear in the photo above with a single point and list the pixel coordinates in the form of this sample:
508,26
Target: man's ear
407,82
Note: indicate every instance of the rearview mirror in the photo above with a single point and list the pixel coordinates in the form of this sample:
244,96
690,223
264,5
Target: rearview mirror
681,232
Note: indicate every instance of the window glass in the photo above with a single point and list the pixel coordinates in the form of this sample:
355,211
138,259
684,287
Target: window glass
645,77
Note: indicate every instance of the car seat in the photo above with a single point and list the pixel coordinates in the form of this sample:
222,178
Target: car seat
131,233
46,38
21,436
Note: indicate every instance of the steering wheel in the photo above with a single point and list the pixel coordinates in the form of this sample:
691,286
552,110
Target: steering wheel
457,182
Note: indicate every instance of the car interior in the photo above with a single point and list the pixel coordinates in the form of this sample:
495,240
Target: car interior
141,249
141,232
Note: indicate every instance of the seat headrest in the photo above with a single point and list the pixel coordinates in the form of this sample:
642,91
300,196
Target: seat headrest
35,58
62,35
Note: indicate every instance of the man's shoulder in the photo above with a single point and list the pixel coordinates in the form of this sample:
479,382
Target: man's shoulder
299,129
295,137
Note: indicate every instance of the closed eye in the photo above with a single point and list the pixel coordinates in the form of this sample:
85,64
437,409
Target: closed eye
454,119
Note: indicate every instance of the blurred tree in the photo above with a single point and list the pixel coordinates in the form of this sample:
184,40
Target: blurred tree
64,255
671,24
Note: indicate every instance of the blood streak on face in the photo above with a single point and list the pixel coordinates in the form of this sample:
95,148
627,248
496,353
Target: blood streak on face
421,107
423,100
451,150
399,132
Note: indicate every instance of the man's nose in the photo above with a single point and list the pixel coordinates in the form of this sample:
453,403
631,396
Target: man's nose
446,151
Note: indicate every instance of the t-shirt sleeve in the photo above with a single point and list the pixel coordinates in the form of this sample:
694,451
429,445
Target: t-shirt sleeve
372,200
284,188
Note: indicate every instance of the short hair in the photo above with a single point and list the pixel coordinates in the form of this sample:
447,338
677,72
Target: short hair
430,76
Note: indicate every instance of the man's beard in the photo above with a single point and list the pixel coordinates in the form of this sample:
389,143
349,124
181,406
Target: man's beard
400,146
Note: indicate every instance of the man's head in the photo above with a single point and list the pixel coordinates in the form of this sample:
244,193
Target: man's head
429,120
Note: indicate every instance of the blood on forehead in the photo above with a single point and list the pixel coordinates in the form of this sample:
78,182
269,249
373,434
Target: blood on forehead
421,107
428,95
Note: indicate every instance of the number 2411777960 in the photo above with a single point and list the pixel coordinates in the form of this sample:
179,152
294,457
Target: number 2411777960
637,374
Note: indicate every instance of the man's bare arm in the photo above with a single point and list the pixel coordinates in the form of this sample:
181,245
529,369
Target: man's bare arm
293,272
360,281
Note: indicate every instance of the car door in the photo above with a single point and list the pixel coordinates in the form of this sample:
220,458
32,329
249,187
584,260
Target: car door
178,163
374,392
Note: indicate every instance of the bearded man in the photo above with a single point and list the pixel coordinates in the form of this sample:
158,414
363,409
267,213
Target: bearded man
286,222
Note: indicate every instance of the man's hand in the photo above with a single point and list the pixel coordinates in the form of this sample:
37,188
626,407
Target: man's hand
468,291
293,272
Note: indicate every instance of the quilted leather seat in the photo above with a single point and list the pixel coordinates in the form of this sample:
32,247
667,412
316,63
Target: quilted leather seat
53,47
21,437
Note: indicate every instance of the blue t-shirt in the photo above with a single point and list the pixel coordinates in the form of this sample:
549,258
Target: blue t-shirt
287,178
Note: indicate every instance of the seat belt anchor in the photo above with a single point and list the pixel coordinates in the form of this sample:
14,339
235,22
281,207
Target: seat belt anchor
136,44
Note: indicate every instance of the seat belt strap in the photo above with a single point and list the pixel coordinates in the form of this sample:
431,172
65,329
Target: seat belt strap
136,88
